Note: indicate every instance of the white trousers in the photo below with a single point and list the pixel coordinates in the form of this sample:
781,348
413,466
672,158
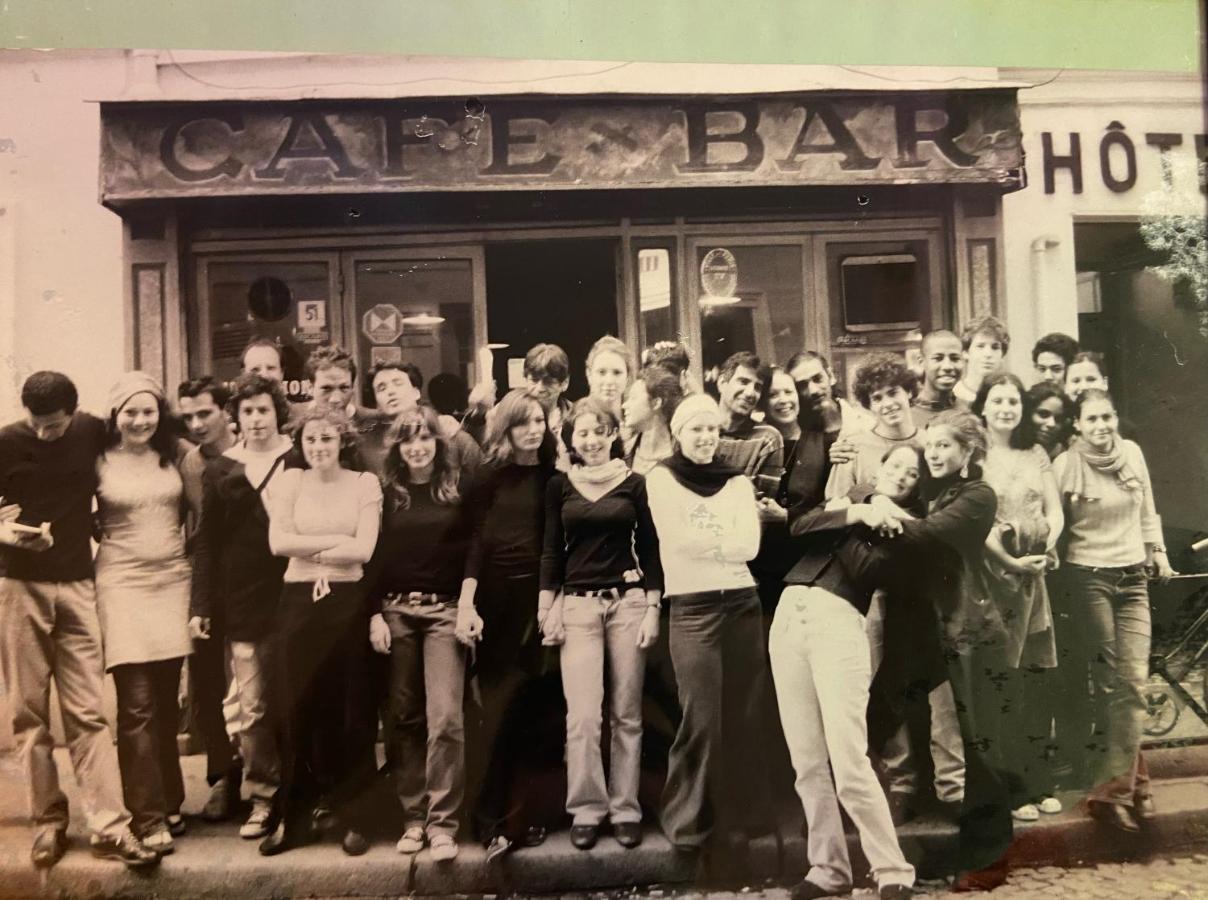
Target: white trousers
822,670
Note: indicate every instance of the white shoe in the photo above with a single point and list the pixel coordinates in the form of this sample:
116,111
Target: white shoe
1026,813
412,840
160,841
1050,806
443,848
257,824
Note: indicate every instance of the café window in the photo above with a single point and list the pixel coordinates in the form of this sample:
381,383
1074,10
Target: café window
654,269
288,301
880,293
750,297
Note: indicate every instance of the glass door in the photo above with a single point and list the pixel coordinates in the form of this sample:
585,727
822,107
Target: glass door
292,299
422,306
747,294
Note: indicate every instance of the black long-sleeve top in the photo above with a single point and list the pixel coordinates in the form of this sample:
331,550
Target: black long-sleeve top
593,544
941,556
507,504
236,578
848,560
421,548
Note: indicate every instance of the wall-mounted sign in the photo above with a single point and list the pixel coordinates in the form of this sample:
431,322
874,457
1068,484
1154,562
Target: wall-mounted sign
382,355
312,315
206,149
719,273
1115,154
383,324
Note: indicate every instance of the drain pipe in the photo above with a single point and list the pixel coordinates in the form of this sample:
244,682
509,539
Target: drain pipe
1041,246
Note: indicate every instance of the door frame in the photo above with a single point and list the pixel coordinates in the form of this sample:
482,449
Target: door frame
474,252
200,351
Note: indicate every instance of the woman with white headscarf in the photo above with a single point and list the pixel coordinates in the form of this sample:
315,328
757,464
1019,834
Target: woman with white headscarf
708,526
142,593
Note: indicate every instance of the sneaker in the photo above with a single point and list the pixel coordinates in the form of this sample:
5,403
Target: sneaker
443,848
1050,806
258,824
412,840
125,848
49,847
1026,813
176,825
497,848
159,840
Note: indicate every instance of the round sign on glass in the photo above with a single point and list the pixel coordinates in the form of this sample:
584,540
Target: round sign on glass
719,273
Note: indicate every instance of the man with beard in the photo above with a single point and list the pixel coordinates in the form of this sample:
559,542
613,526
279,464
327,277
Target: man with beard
943,366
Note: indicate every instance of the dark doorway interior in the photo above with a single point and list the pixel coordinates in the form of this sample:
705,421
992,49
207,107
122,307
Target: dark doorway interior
561,292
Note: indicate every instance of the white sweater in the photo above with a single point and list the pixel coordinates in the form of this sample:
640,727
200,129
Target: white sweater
704,542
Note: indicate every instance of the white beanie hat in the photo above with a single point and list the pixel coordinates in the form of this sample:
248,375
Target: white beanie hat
690,408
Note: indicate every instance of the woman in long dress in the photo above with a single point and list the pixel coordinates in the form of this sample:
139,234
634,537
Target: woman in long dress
142,591
1020,549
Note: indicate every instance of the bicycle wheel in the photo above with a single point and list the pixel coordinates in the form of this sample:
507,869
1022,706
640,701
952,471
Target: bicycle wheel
1161,710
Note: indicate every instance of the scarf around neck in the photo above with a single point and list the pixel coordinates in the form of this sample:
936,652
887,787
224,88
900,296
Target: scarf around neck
1077,480
593,482
705,480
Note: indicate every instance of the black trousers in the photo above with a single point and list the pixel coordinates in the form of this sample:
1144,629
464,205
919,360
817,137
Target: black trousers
325,708
516,726
208,684
147,718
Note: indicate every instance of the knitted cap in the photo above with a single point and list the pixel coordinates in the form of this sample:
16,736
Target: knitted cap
130,384
691,407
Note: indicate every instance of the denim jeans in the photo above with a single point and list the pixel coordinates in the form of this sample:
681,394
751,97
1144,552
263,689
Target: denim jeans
720,667
821,665
427,681
251,662
49,630
600,629
1116,627
147,717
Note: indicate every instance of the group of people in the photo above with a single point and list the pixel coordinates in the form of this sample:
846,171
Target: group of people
780,579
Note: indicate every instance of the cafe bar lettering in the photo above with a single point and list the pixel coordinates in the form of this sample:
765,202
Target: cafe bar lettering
207,149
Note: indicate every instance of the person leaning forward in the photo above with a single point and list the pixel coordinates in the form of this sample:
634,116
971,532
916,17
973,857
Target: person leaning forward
48,619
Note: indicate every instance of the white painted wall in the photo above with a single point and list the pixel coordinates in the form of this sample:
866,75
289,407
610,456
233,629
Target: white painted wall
1039,227
60,251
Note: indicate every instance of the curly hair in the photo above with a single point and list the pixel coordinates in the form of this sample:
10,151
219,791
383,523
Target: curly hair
885,370
514,409
446,475
966,429
1023,436
333,418
249,385
588,406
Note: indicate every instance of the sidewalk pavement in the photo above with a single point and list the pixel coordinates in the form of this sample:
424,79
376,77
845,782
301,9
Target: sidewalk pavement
211,860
